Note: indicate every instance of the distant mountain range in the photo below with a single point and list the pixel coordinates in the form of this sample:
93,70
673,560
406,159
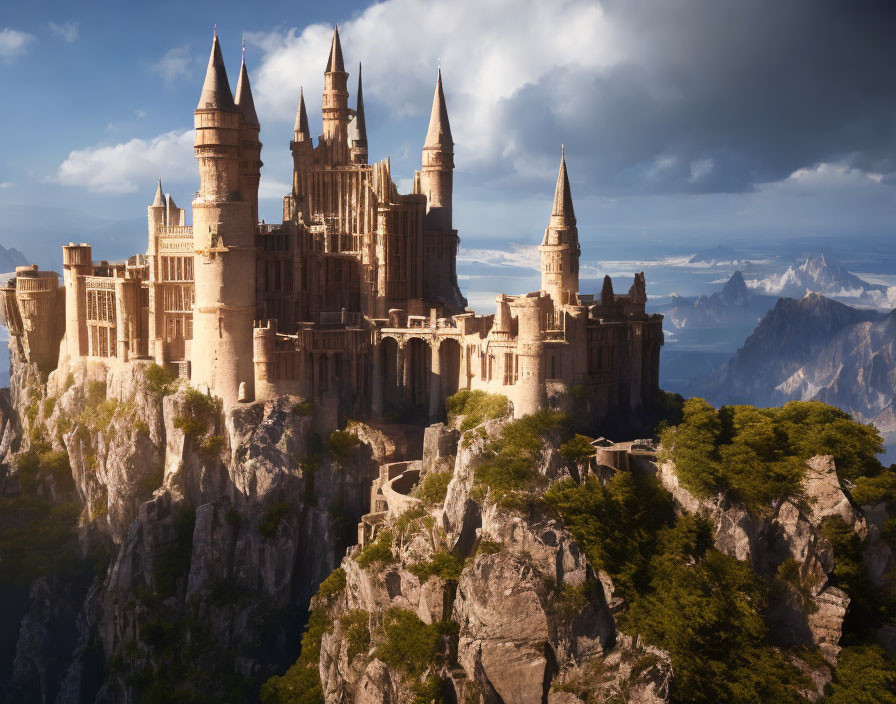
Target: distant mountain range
815,348
721,320
823,275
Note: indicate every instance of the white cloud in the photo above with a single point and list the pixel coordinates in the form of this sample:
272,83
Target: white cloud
174,64
488,51
140,113
268,189
67,31
129,166
6,184
14,42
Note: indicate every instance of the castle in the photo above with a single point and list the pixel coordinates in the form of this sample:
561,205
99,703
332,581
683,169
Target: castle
353,298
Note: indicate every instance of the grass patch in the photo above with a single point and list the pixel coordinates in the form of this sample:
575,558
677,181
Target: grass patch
476,407
433,488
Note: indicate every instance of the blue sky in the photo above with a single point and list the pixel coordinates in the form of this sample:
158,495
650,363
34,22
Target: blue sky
688,123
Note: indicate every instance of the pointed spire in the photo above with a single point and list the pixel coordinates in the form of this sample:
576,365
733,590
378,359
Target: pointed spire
243,98
439,132
606,294
301,126
334,63
216,89
562,195
160,197
360,122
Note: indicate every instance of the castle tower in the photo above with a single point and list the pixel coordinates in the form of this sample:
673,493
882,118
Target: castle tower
335,103
560,247
223,242
437,177
250,147
358,137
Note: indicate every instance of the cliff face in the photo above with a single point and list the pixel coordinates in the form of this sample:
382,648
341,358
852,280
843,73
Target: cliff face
207,534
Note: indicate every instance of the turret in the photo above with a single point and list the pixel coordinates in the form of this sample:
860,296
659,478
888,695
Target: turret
155,215
437,176
250,147
301,148
358,128
334,110
223,241
560,247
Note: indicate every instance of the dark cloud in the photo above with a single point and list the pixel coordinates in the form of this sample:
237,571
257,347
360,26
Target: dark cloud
719,96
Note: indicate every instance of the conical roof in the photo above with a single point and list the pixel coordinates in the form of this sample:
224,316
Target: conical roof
301,126
334,63
562,195
439,132
216,89
360,122
243,98
159,200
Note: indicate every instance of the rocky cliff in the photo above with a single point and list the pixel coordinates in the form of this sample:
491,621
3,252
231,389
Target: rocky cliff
546,587
193,540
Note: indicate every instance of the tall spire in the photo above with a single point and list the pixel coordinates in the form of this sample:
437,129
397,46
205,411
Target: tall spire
216,89
360,122
301,127
334,63
439,132
160,197
243,98
562,195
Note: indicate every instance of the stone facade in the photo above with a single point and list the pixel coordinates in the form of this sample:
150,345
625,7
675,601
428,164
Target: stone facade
352,298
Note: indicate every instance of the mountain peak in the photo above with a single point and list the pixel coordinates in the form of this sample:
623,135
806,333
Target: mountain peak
736,288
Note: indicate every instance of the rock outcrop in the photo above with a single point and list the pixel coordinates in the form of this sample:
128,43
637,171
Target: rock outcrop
525,617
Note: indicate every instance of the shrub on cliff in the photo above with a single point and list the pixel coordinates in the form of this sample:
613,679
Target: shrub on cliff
616,523
159,380
476,407
198,413
706,610
342,446
509,474
863,674
758,455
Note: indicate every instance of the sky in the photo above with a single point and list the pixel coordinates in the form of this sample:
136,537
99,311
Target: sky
688,124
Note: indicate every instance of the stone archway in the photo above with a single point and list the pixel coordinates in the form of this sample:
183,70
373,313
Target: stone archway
449,366
416,373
